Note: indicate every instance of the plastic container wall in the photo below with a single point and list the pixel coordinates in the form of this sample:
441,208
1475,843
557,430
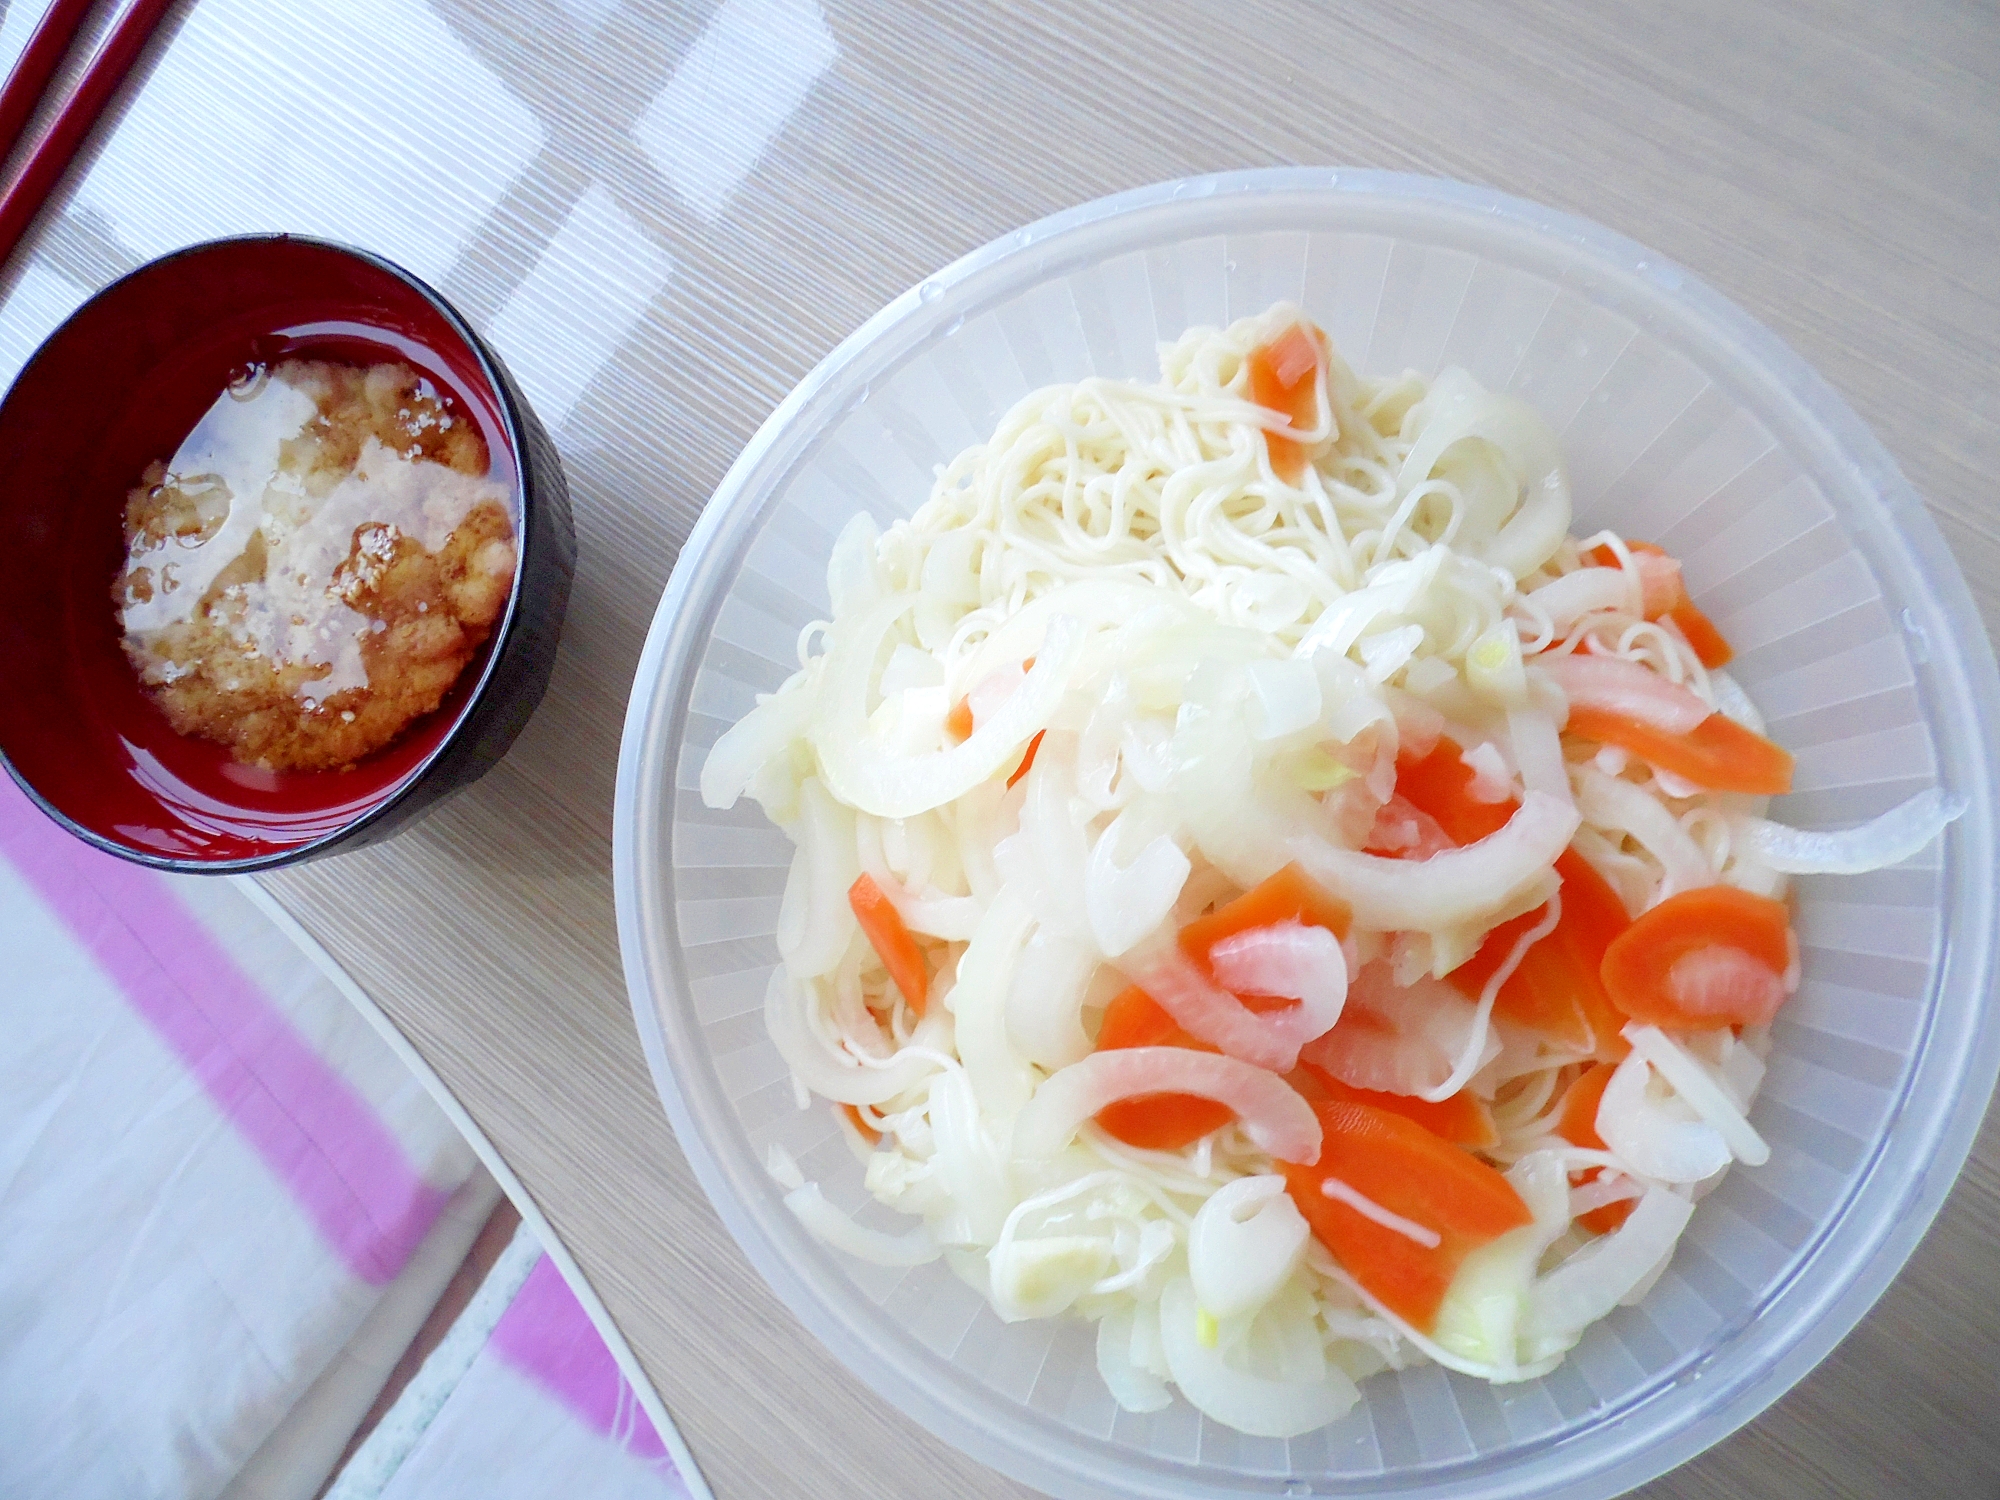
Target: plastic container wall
1684,423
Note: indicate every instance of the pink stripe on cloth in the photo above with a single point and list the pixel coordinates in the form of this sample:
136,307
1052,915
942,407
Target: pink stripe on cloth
341,1164
547,1336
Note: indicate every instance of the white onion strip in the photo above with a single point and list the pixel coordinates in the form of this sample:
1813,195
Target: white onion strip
861,774
1887,840
1627,688
1368,1208
1590,1283
1458,887
1702,1093
1271,1112
831,1227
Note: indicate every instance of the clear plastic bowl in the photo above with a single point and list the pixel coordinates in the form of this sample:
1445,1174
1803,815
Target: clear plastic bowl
1684,422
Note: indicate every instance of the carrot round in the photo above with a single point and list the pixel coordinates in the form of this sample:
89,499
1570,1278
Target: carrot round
1284,376
891,940
1718,753
1464,1119
1291,895
1577,1124
1403,1168
1558,989
1713,956
1157,1122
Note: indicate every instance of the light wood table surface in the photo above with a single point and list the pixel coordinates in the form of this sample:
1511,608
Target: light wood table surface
1832,165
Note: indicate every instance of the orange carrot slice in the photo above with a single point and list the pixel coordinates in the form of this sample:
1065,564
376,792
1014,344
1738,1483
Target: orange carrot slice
1711,647
1557,989
1405,1169
1718,753
1157,1122
1291,895
1027,760
1440,784
1464,1119
1284,376
1714,956
1577,1124
891,940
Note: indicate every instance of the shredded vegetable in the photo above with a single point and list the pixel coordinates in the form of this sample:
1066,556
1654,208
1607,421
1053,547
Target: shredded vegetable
1265,887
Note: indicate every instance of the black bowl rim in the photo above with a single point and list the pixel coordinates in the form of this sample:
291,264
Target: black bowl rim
517,437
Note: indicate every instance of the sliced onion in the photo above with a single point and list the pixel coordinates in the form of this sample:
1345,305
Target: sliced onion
1045,1000
1396,1039
853,580
759,737
1418,724
1586,591
1702,1093
1492,779
1252,1404
1659,1138
1284,697
1405,830
1265,1039
1609,803
1286,961
1047,859
1458,408
1460,886
1593,1281
1733,703
1887,840
1042,1275
830,1226
1001,1079
1626,688
1133,1387
967,1163
1245,1241
1271,1111
832,1073
1538,752
815,923
1125,902
854,764
992,692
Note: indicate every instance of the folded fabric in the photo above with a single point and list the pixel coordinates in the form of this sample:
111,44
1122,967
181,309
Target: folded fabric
211,1170
521,1400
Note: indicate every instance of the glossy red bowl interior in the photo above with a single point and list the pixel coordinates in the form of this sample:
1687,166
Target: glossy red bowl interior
115,388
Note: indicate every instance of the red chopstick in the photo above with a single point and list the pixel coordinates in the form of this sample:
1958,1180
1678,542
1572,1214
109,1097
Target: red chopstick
57,146
24,86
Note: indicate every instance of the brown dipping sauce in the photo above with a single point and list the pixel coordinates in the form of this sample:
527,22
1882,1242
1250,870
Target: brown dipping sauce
315,566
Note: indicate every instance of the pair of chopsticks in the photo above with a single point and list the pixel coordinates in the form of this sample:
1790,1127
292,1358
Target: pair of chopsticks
57,145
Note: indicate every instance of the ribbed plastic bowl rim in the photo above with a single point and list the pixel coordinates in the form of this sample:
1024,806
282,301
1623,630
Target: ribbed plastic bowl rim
1960,660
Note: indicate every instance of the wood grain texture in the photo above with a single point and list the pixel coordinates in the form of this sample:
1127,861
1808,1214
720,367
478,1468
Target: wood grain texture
1832,165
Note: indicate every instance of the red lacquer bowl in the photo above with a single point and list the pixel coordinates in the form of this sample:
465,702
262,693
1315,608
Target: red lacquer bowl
117,387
